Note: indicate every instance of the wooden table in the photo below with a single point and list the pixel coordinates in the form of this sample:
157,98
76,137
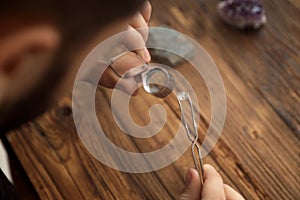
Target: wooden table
258,152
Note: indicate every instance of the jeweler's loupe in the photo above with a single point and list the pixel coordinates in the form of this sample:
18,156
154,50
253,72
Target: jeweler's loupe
156,80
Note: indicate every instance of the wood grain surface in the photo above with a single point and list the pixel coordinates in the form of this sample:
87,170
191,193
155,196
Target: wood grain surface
258,152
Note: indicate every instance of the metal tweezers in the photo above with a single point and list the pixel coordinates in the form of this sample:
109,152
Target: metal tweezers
193,136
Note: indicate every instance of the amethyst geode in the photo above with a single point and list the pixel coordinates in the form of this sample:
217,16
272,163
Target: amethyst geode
243,14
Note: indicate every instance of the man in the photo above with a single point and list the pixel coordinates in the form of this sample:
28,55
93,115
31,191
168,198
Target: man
41,44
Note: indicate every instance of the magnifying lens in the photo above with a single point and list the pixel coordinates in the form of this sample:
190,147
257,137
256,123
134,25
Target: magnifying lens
155,79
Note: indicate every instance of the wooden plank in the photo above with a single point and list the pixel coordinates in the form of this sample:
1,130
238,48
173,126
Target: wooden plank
291,143
258,152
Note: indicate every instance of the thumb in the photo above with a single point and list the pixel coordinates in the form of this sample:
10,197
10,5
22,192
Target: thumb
192,182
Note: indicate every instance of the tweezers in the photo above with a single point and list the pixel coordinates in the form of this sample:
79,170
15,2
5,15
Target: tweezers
192,136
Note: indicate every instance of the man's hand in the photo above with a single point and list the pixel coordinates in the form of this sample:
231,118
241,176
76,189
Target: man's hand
213,187
139,22
138,27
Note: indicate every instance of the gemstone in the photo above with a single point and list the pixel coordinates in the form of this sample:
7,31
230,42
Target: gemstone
242,14
182,96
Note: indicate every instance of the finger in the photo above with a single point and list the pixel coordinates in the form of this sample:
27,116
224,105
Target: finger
146,11
109,79
134,41
192,190
120,66
231,194
138,22
127,61
129,86
213,184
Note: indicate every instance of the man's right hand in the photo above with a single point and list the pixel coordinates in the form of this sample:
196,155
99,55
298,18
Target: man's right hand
213,187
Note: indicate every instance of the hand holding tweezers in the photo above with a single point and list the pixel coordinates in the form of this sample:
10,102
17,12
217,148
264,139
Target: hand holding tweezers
193,136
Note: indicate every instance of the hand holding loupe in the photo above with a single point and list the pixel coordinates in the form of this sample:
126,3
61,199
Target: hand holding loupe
155,79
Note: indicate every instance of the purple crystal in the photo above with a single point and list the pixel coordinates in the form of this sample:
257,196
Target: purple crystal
243,13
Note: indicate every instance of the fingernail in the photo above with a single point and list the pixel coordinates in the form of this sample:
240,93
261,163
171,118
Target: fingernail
147,56
188,177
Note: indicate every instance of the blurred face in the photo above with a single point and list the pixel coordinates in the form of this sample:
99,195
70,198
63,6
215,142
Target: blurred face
35,66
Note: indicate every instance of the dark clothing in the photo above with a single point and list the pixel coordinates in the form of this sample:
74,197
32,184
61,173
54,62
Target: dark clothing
7,190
